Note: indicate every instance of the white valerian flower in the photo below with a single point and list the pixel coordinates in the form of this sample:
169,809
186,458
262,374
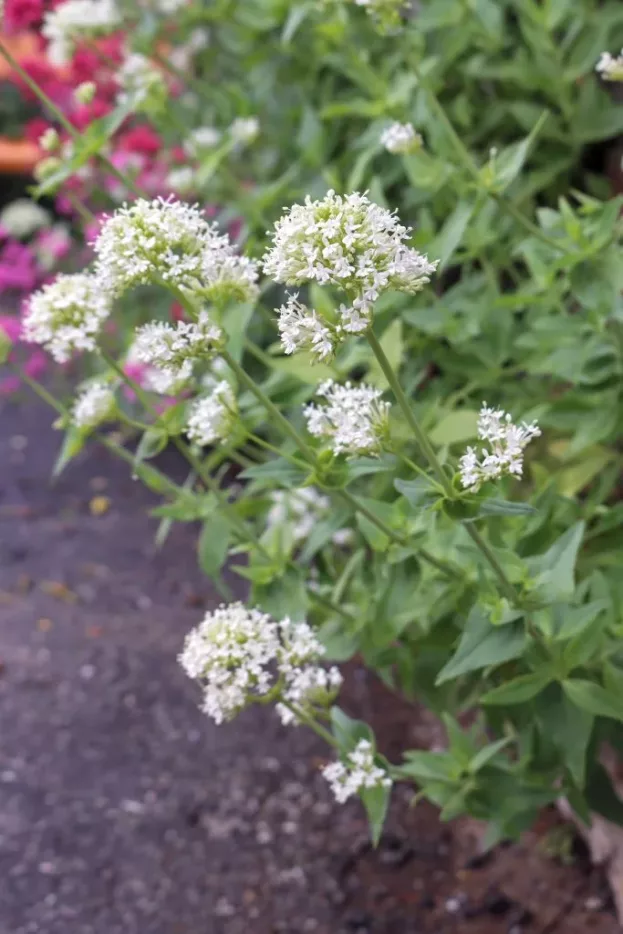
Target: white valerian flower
610,68
49,141
240,655
244,129
505,452
201,139
401,139
302,510
67,314
354,418
22,217
141,80
68,22
85,92
181,179
351,243
95,404
172,351
302,328
357,773
212,416
225,275
150,241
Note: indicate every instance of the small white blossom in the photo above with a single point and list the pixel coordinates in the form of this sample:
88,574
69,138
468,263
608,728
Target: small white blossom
302,328
302,510
85,92
610,68
225,275
173,350
356,774
67,314
240,655
49,140
244,129
202,138
351,243
401,139
181,179
141,80
211,417
73,20
354,418
94,405
505,453
148,241
22,217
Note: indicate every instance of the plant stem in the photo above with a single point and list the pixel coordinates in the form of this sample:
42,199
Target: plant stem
507,588
311,723
403,402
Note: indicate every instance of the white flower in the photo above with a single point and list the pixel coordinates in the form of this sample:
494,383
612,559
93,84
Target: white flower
244,129
302,510
211,417
173,351
85,92
354,419
148,241
401,139
181,179
302,328
67,314
140,79
505,453
95,404
348,242
225,275
72,20
610,68
202,138
49,140
356,774
23,217
240,655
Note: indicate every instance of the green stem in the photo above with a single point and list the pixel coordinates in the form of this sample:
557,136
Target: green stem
420,435
270,406
311,723
505,585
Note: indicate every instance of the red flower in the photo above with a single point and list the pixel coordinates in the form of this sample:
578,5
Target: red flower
22,14
142,139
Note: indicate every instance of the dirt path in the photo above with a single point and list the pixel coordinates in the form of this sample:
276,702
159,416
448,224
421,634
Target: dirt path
123,810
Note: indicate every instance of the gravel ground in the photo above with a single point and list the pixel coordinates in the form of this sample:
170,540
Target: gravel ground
123,810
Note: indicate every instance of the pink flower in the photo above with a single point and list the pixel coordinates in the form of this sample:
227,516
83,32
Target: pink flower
18,269
141,139
22,14
11,326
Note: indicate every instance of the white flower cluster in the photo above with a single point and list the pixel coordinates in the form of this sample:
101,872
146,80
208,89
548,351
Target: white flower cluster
67,314
301,328
201,139
505,455
357,773
240,655
181,179
95,403
401,139
172,351
22,217
150,240
225,275
212,416
351,243
140,80
302,509
354,418
610,68
244,129
72,20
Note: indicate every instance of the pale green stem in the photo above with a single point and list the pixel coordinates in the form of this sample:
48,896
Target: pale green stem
505,585
311,723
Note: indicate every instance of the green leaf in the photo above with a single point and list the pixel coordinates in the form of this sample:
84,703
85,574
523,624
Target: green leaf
483,645
429,766
376,539
510,161
518,690
214,544
418,492
347,731
376,803
452,233
393,345
456,427
503,507
556,568
153,442
73,442
484,755
283,596
593,698
278,472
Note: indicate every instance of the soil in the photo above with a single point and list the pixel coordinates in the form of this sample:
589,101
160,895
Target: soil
124,810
